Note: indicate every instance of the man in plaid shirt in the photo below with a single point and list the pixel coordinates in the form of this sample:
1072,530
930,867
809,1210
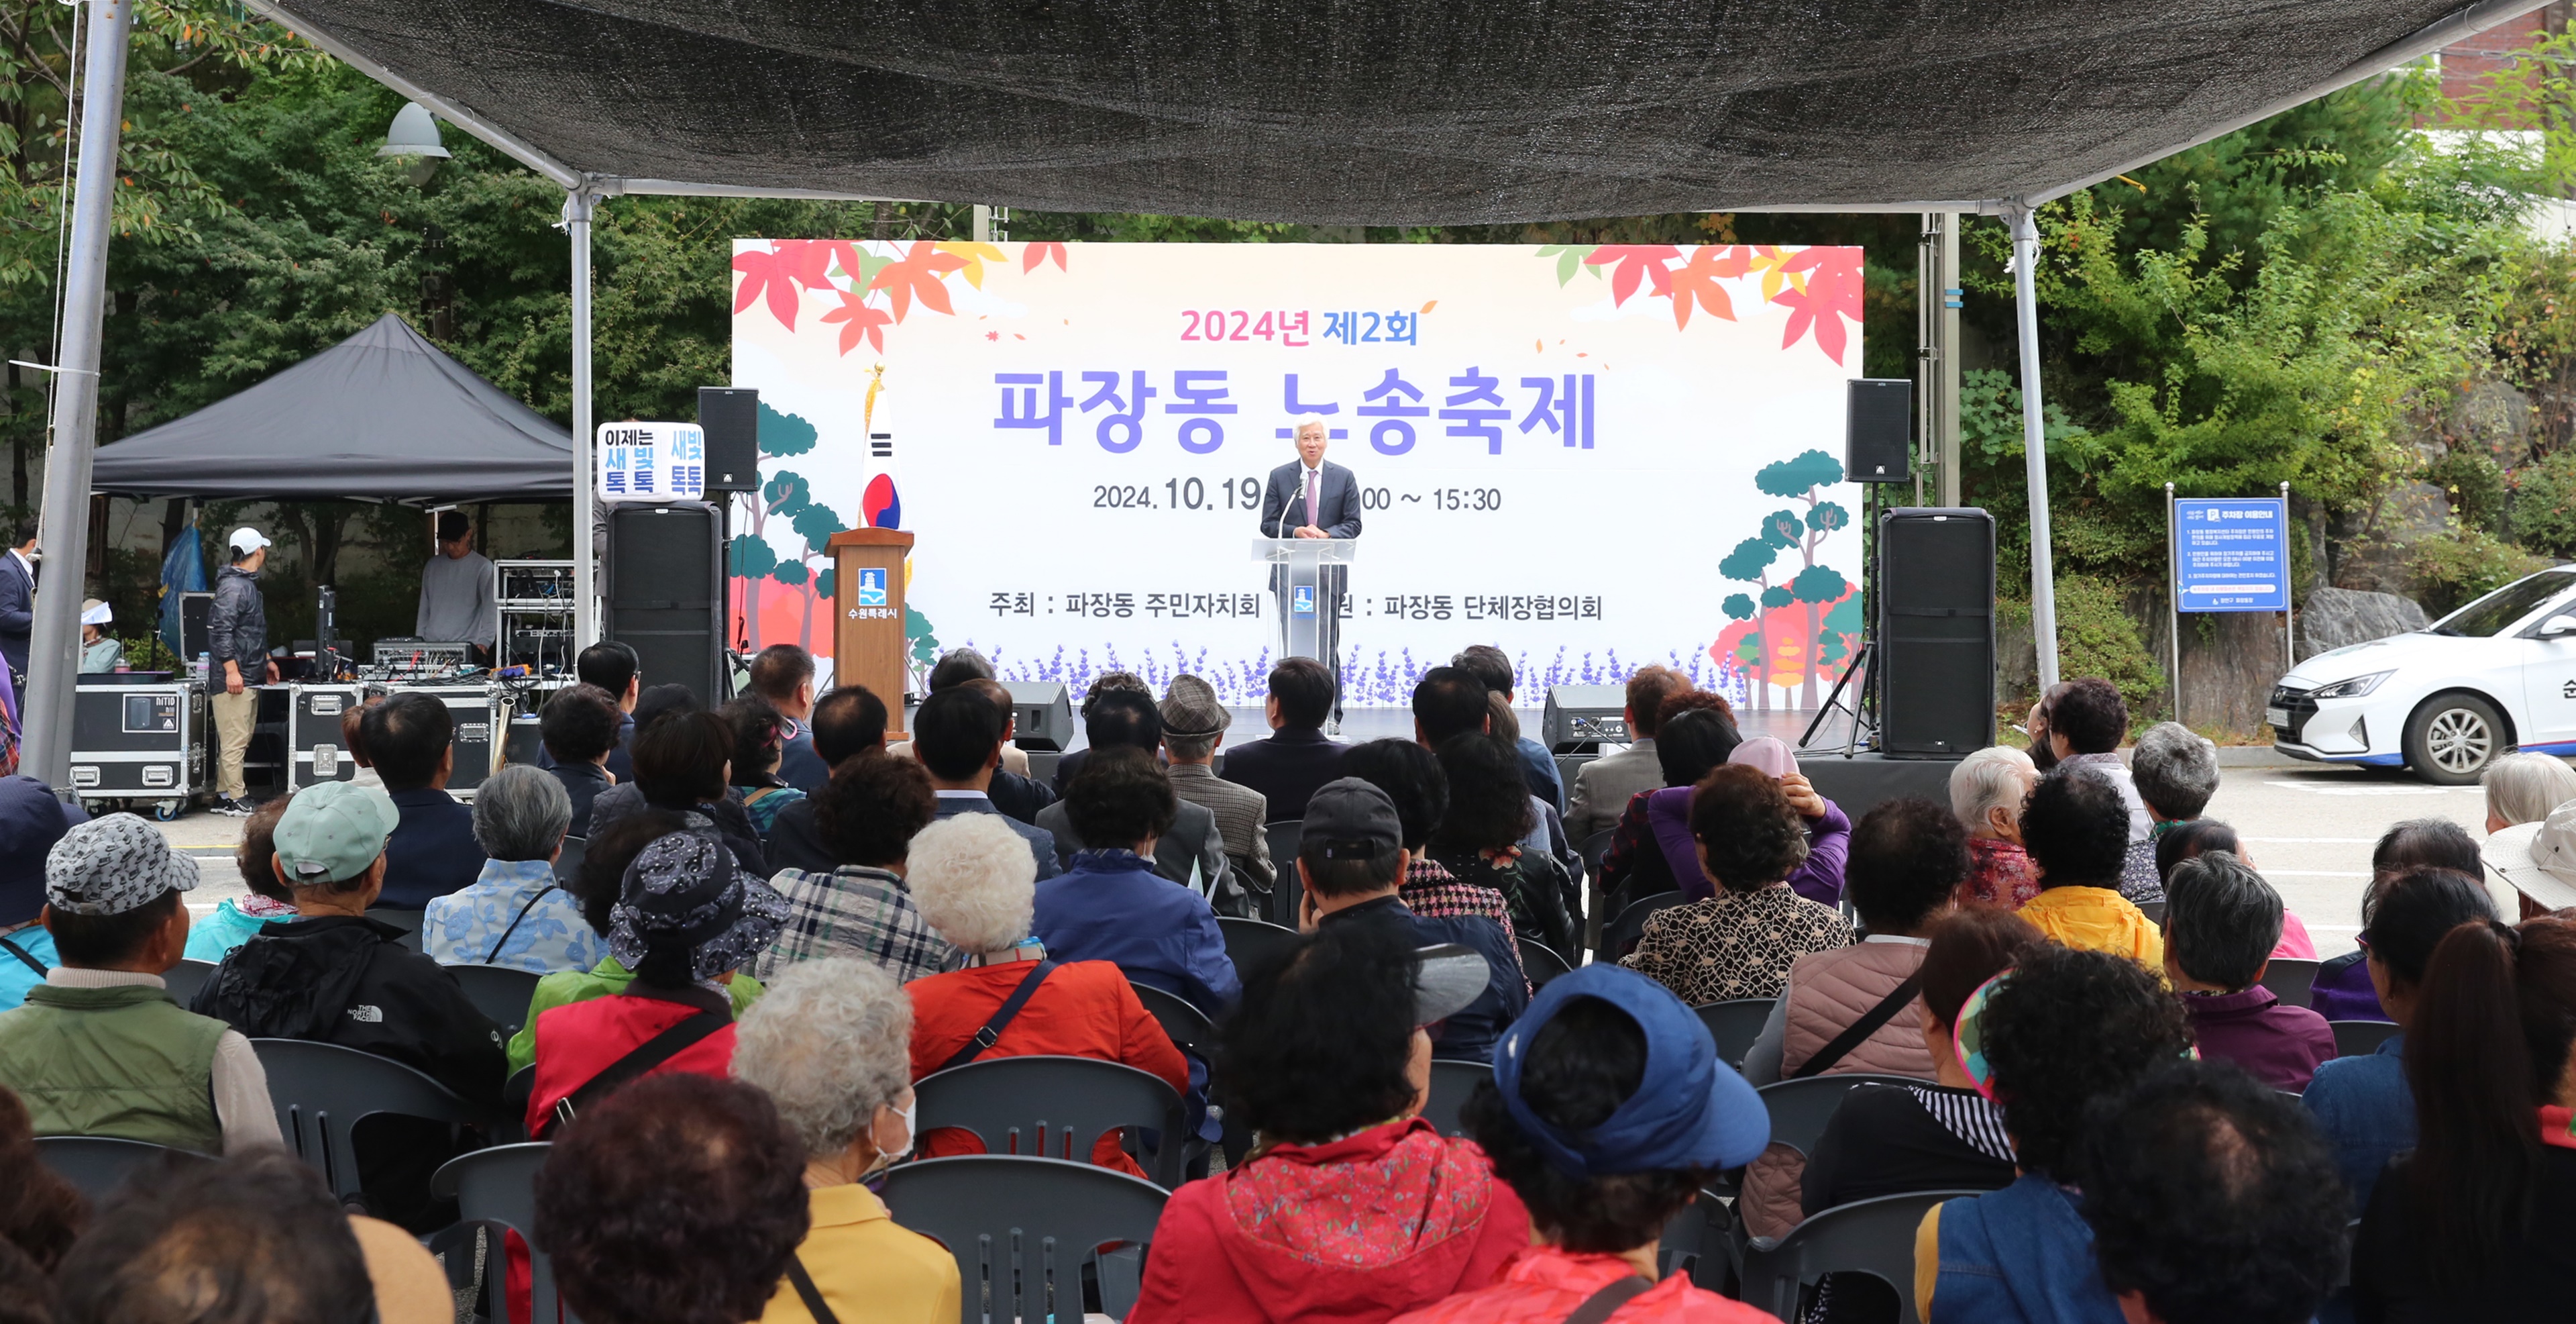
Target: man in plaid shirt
866,817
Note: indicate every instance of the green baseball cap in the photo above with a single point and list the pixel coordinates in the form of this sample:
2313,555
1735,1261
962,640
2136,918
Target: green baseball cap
330,833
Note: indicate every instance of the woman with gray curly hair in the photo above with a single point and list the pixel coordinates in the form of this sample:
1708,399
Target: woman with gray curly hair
976,883
831,1044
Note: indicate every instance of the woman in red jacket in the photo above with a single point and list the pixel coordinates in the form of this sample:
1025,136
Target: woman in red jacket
1350,1206
687,916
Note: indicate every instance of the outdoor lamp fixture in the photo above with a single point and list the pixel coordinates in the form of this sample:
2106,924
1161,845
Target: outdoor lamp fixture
414,137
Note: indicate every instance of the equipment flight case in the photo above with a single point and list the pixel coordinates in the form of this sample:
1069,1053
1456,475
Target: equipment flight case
139,737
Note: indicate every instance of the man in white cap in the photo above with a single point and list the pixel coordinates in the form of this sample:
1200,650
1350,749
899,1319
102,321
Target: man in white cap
100,651
237,661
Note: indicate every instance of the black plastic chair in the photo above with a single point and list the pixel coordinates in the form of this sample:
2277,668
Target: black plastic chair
1055,1107
568,864
1595,849
185,978
322,1090
1800,1109
1735,1024
498,1185
1451,1083
498,991
1189,1028
1540,962
406,920
2361,1038
1875,1237
1619,936
100,1164
1021,1229
2154,911
1286,893
2291,980
1249,942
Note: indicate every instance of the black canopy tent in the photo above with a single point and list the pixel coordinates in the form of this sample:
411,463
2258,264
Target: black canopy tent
1332,111
383,416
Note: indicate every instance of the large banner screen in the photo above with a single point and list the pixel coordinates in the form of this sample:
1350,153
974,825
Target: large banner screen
1594,457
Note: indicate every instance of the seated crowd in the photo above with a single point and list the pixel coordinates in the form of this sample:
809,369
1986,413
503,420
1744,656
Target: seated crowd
779,929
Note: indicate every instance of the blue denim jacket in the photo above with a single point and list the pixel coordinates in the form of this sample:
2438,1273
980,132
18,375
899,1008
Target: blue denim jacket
2367,1111
2022,1254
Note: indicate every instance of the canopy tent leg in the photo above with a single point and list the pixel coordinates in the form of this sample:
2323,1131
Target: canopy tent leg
46,720
2034,440
585,544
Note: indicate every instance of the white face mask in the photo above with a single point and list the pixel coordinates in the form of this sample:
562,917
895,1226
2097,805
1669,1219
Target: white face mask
886,1158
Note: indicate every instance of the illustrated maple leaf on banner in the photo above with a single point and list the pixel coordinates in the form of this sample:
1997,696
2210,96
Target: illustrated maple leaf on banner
859,322
1634,263
767,275
974,255
1696,281
1770,260
1569,259
1831,292
1033,254
917,276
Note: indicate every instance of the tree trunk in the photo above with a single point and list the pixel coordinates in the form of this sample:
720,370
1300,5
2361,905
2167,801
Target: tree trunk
884,228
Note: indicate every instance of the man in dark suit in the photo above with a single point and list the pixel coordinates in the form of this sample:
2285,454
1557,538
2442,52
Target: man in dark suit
957,733
1297,758
18,607
612,667
784,675
432,853
1309,498
848,722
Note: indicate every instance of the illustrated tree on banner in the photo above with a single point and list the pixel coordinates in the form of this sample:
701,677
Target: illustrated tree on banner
1793,640
752,560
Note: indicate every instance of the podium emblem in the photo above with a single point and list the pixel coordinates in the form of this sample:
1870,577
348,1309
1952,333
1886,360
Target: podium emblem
1302,601
872,588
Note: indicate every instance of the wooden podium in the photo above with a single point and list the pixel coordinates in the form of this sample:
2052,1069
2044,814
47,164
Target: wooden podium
868,645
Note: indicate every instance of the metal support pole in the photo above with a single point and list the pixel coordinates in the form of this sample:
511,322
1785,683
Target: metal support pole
46,749
2289,591
983,224
2173,598
1946,420
2034,442
585,549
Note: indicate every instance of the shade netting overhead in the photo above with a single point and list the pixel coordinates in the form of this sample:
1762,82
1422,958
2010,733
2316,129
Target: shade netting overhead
1347,111
384,415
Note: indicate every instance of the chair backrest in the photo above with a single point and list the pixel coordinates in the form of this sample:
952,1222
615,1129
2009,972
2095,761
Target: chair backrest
1800,1108
1189,1028
2361,1038
1286,893
1875,1237
2290,979
1249,942
499,1185
1735,1024
100,1164
1540,961
1451,1083
322,1090
1619,936
1021,1229
498,991
185,978
406,920
1054,1107
1595,849
568,864
2154,911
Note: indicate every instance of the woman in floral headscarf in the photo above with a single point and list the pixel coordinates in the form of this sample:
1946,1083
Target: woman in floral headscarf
687,917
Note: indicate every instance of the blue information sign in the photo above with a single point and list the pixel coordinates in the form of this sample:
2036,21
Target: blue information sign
2232,554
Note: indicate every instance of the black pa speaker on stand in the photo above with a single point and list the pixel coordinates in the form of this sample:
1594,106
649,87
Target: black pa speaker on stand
730,416
1878,430
666,593
1936,631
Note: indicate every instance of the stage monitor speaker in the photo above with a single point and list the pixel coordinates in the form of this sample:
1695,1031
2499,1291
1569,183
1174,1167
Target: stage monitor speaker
666,594
1878,430
1579,719
730,417
1044,711
1935,664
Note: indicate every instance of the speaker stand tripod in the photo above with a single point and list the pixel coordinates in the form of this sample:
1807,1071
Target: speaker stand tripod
1863,710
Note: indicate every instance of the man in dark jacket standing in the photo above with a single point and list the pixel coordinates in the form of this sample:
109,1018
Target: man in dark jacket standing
18,608
335,976
237,663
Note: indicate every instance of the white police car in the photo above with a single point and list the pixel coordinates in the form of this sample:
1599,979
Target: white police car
2446,700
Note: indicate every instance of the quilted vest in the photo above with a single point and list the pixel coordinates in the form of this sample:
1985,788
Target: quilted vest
1828,991
123,1062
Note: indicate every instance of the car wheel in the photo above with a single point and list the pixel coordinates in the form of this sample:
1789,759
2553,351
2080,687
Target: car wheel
2452,738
